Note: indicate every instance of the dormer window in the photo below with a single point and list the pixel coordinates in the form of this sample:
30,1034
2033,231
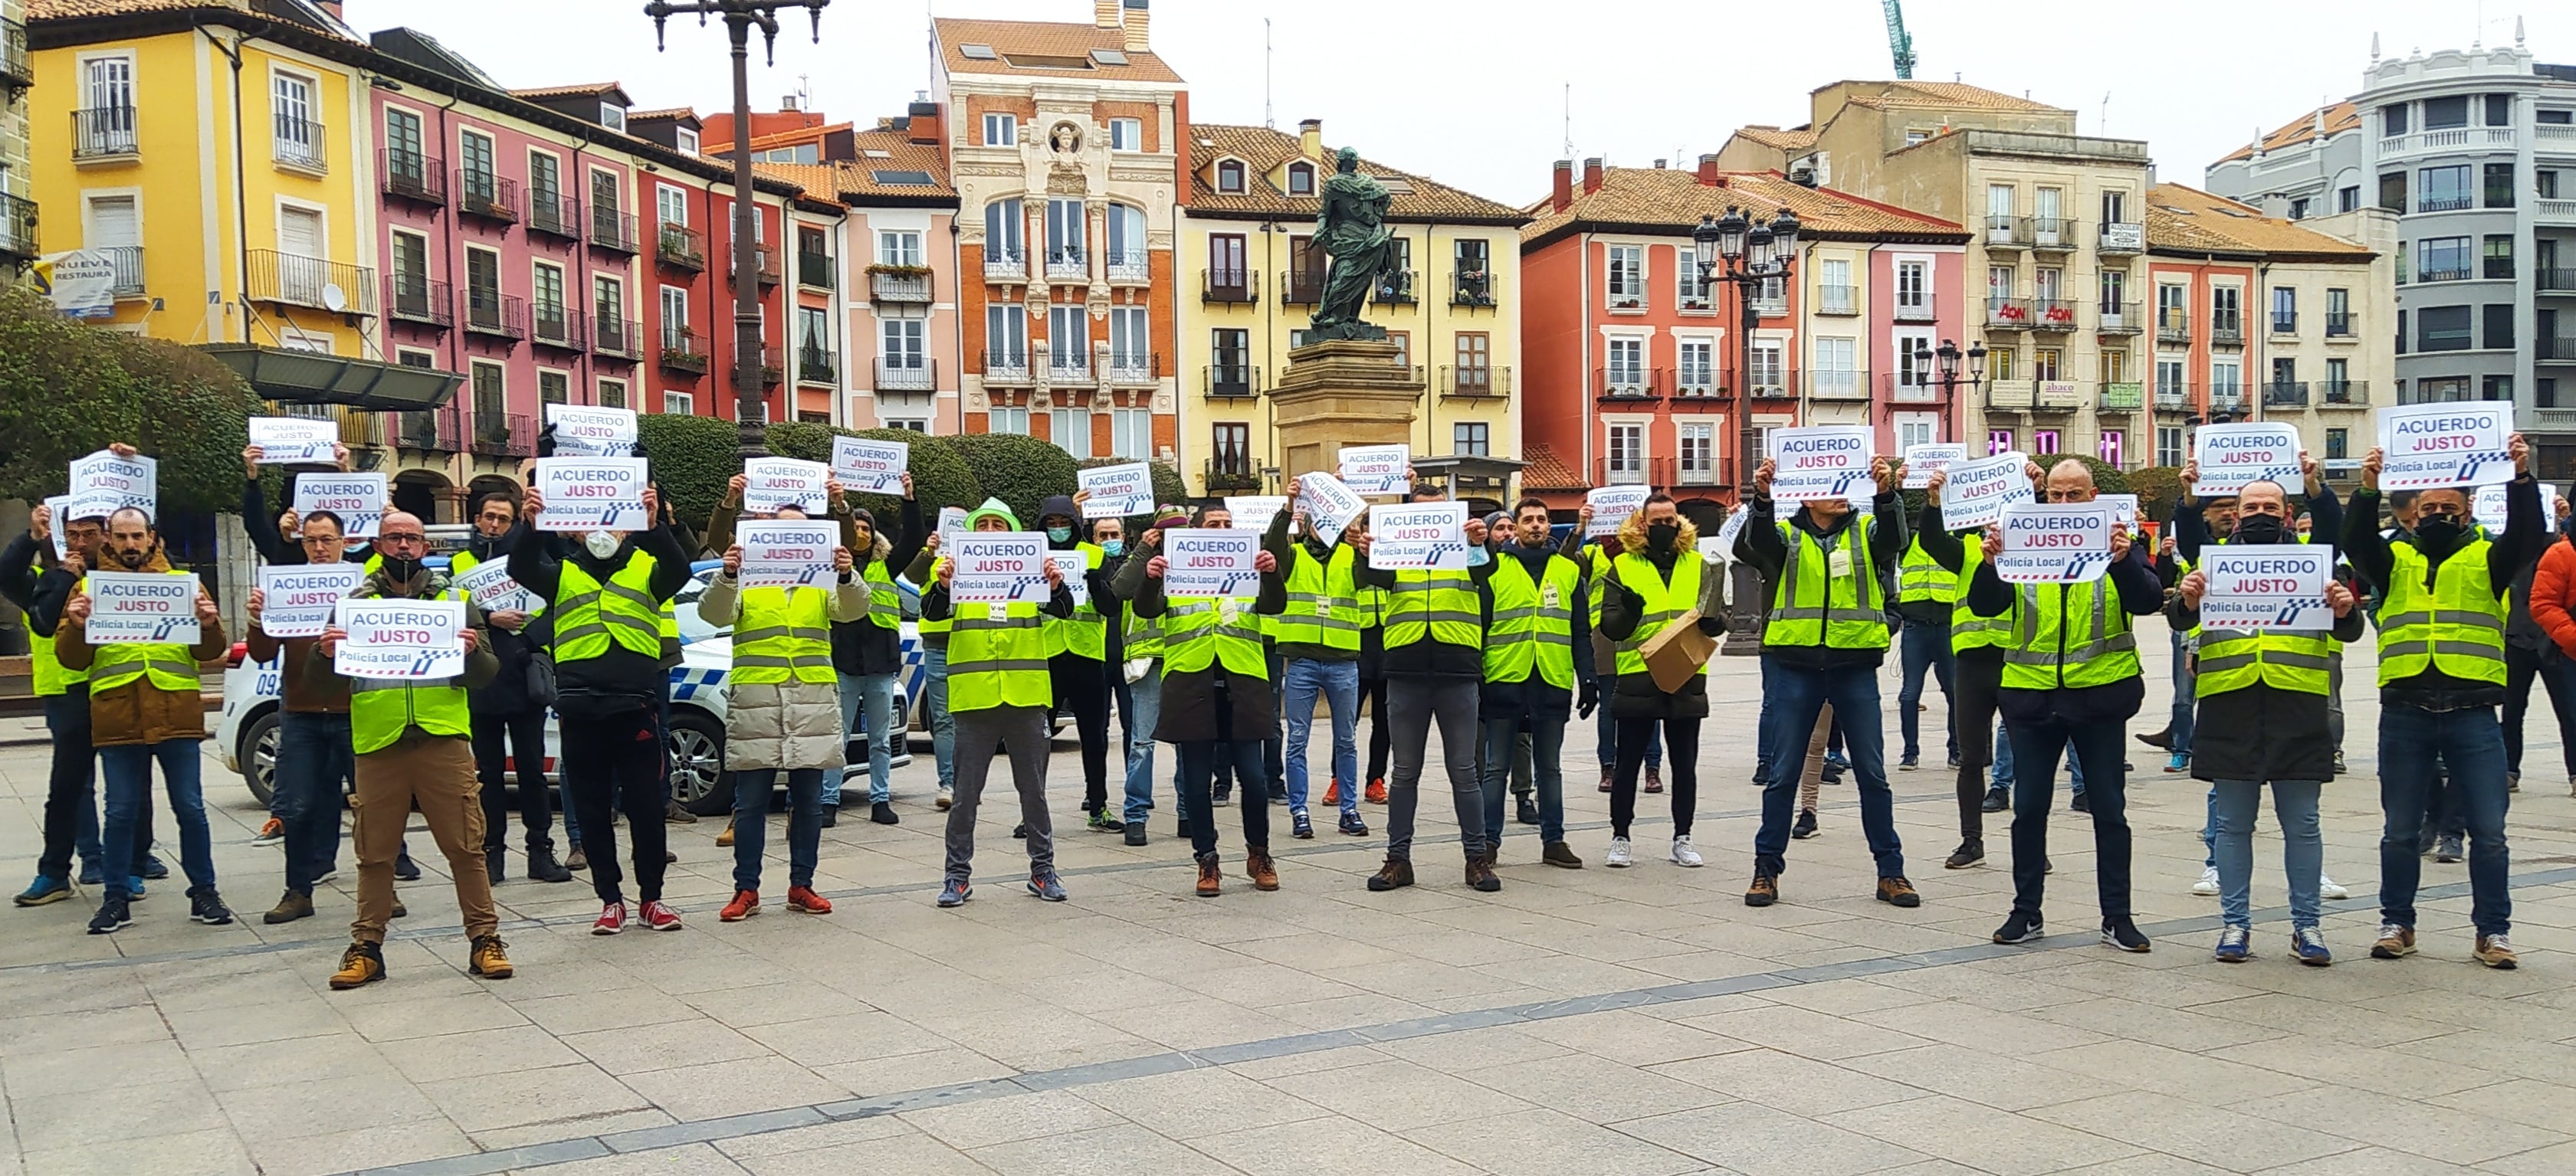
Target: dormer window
1229,176
688,140
1301,179
612,116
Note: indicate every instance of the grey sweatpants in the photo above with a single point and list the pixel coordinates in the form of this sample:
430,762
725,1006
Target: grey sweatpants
1412,703
982,735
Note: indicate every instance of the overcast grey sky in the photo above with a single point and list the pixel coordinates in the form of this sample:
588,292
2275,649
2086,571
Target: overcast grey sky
1473,93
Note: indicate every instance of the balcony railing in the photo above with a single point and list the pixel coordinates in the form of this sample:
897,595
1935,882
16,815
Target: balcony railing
127,260
1475,383
681,247
17,71
2120,318
480,193
1067,263
2343,394
105,133
906,373
2007,232
1631,383
2339,324
2445,203
2284,323
1005,265
764,264
2227,332
2119,396
899,287
2052,315
1007,366
1230,380
1132,268
2176,397
1301,287
2449,274
2285,394
2123,237
298,143
1069,367
1698,298
1694,380
2050,234
441,429
817,365
2558,349
554,214
411,175
773,369
2173,325
613,231
2554,280
1223,475
1395,289
621,338
1232,287
1134,368
1471,288
505,436
814,270
1837,300
1915,387
682,351
559,326
1920,311
501,316
419,300
2007,314
2229,398
293,280
17,228
1838,384
1768,384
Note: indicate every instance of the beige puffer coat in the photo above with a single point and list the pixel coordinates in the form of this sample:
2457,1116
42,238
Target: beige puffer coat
790,724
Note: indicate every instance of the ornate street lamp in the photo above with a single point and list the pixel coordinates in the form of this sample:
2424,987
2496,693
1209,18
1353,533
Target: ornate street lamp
751,408
1745,253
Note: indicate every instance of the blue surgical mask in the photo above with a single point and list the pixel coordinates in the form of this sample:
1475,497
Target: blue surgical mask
1060,534
1114,546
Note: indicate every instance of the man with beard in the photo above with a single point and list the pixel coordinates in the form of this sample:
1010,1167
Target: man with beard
1538,659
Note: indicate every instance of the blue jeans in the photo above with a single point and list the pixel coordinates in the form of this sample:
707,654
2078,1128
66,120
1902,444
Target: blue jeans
71,801
1925,645
1339,683
313,757
2186,689
1799,696
943,728
1502,745
1146,694
2002,773
751,791
875,694
128,770
1608,732
2470,743
2303,853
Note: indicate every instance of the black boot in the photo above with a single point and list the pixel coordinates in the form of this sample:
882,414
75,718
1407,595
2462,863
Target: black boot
496,863
542,866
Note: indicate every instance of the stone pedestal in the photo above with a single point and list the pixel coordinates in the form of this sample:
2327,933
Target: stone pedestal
1343,392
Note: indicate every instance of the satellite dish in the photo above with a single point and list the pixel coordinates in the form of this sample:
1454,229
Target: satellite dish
334,297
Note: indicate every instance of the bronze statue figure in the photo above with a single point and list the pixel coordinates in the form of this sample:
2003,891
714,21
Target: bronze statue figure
1351,229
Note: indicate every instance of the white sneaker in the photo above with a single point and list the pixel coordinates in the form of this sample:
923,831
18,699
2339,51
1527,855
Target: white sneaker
1684,855
2208,884
2329,888
1618,858
946,798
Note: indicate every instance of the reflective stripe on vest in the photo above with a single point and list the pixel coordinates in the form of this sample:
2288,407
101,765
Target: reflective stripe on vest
1086,632
2070,636
2233,659
998,659
783,633
1197,635
1811,606
1441,605
2456,627
1533,624
1967,629
1921,578
52,678
168,665
1665,603
885,604
1323,602
590,615
381,709
944,624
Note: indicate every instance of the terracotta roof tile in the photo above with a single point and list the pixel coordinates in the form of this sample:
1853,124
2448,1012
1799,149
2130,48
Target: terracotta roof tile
579,90
2185,218
853,182
1793,139
1670,197
675,112
1951,94
1039,39
298,11
1541,469
1263,150
2340,117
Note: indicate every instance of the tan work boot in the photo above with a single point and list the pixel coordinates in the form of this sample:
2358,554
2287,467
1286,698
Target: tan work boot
489,959
1264,871
1211,877
363,963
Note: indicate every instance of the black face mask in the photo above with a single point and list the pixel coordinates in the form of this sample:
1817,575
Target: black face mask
2438,530
1660,536
2259,529
399,570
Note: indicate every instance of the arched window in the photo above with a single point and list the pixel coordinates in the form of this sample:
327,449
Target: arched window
1301,179
1229,176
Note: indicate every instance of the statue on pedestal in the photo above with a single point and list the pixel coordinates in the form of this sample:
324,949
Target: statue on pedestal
1351,229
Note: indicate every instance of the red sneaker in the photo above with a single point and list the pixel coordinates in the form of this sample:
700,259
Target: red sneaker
803,898
1333,792
658,916
612,919
745,904
1377,792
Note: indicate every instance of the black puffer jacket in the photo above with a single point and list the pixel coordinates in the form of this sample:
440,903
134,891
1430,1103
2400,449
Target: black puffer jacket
1636,696
507,693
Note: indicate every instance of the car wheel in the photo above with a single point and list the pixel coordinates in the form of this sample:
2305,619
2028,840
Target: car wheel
258,758
697,764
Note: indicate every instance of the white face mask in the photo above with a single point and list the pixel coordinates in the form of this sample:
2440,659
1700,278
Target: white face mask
602,544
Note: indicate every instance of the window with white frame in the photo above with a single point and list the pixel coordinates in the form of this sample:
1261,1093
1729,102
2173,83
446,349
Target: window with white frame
477,171
1913,369
1835,293
1131,352
1916,428
1836,370
1014,421
1914,287
105,125
687,139
1471,438
298,137
1069,340
554,319
1627,454
1001,129
902,351
1767,366
2226,379
1066,235
1698,362
1627,370
1999,285
1696,442
1071,428
898,247
1126,134
1691,290
679,404
1006,337
2169,445
612,393
1126,224
671,204
1005,230
1627,277
1131,433
916,424
676,335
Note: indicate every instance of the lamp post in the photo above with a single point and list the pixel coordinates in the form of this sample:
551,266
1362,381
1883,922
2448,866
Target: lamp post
751,412
1944,366
1745,253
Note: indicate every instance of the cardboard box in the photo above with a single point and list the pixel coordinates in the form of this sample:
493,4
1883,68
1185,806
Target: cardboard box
1678,652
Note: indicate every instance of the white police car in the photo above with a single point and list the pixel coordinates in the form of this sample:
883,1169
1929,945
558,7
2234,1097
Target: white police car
247,732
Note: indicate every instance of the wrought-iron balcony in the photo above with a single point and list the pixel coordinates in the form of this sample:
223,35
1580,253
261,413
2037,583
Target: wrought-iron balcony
410,175
441,429
683,351
554,214
814,270
1698,298
1134,368
2123,237
2123,396
614,231
1230,380
2119,318
1768,384
2007,314
1005,265
1471,288
1919,310
414,299
1301,287
1393,289
907,373
764,265
2339,324
491,197
1916,387
290,279
618,338
298,143
2177,397
1838,300
17,70
2007,232
1694,381
1232,474
2052,234
1631,383
1837,384
555,325
681,247
489,312
1067,263
1475,383
2228,398
505,436
1131,268
2052,315
1008,366
907,286
2227,331
2343,394
2173,325
817,365
1069,367
1234,287
18,240
127,260
2285,394
105,134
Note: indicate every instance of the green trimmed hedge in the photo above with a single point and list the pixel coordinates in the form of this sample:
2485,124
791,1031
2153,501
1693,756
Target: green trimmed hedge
1168,487
693,457
1021,471
939,476
67,389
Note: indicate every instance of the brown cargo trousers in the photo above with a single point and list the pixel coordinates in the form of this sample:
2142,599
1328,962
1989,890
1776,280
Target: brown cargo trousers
435,774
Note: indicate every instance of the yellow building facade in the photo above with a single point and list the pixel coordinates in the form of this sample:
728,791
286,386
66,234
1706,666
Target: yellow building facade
1249,281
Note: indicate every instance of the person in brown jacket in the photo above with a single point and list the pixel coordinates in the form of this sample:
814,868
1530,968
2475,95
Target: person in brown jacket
144,706
314,762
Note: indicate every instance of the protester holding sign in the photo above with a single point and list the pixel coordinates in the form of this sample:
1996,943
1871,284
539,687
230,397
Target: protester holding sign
1319,636
588,430
2441,676
71,794
1001,701
1978,645
510,710
1926,594
295,440
1538,672
1822,647
144,708
2071,680
315,757
277,540
1217,690
1077,648
414,736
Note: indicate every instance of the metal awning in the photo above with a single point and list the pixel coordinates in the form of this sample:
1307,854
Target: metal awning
289,376
1447,467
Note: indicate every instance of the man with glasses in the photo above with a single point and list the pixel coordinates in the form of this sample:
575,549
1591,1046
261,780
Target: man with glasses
314,759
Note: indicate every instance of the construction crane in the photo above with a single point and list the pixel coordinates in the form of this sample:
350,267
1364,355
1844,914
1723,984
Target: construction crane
1898,43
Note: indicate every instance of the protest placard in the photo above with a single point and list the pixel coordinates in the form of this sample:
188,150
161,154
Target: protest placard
358,500
1210,562
1330,505
787,553
1923,461
2124,509
2266,586
59,507
1255,512
1977,492
587,431
1117,491
2055,543
592,494
1819,461
866,466
141,608
2449,443
103,483
400,638
1075,567
1611,506
1000,567
294,440
2489,507
2234,456
772,484
1727,534
952,522
297,600
1377,469
1418,536
489,585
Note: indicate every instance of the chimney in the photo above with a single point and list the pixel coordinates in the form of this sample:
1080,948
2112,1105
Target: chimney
1562,195
1708,173
1592,175
923,120
1310,138
1104,13
1138,22
1659,165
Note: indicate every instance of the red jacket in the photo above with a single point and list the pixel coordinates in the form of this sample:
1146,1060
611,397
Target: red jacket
2553,589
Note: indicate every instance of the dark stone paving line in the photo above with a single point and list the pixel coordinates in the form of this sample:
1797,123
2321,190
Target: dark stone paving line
1100,1073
